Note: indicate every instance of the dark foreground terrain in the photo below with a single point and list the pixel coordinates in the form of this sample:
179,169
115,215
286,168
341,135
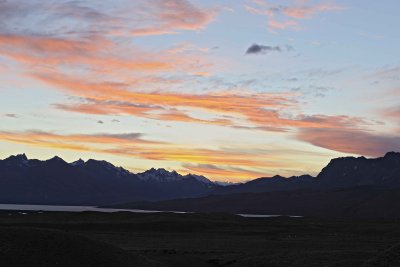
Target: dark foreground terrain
127,239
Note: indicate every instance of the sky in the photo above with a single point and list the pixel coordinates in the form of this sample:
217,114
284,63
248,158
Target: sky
229,89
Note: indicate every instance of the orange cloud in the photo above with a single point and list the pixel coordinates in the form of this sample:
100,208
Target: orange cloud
258,110
225,173
42,44
132,145
40,137
216,163
41,51
110,98
183,117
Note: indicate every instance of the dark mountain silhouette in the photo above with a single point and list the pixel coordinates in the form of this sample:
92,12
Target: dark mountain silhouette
339,173
347,187
268,184
93,182
343,186
350,171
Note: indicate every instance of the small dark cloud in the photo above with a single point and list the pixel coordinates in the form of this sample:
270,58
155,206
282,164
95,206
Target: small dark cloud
123,136
100,122
11,115
263,49
115,120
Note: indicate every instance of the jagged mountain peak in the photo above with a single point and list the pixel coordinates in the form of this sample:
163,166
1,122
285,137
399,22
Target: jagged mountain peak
56,159
392,155
18,157
278,177
160,175
102,165
163,175
101,162
20,160
79,162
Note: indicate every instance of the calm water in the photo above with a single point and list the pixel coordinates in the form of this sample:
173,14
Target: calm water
66,208
90,208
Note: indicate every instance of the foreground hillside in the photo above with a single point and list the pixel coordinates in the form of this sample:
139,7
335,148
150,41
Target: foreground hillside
49,248
195,240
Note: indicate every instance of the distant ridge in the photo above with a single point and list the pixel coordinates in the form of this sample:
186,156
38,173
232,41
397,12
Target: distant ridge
347,187
95,182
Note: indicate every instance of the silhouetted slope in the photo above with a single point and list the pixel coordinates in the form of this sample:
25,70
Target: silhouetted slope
359,202
268,184
387,258
350,171
49,248
340,172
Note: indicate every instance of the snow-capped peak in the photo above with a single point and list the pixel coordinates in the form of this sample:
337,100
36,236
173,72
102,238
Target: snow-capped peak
163,175
159,175
79,162
19,159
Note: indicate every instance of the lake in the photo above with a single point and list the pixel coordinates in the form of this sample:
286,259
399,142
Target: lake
21,207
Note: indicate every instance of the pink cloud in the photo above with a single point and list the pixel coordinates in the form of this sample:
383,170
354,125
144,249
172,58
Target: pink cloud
302,12
274,24
170,16
290,15
350,140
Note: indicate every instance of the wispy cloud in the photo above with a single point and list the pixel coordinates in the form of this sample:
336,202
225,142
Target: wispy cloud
171,16
282,17
257,111
392,114
229,173
351,141
94,54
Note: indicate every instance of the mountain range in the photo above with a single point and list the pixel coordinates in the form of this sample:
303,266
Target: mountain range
347,186
54,181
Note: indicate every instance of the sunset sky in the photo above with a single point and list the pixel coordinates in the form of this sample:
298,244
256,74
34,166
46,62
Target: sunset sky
230,89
